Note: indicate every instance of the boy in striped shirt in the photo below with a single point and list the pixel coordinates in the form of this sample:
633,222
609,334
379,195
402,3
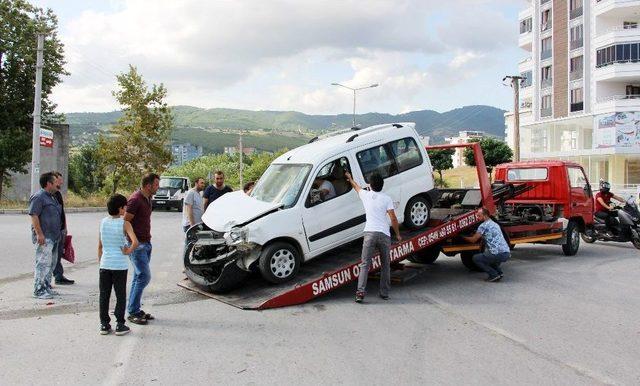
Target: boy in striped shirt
113,256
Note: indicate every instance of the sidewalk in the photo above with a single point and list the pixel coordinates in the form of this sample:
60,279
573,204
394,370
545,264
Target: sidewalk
67,210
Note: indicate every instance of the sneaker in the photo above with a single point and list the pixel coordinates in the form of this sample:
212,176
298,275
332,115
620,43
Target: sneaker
136,319
105,329
493,278
144,315
43,296
384,297
122,329
64,281
359,297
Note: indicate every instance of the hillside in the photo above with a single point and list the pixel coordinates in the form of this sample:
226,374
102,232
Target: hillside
271,130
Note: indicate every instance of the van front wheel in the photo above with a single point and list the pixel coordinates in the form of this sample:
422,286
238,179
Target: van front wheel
417,213
279,262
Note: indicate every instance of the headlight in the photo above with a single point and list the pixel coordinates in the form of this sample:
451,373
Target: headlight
176,194
236,235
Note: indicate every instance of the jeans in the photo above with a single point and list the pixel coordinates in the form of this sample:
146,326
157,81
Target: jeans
116,279
44,264
58,271
371,242
491,263
140,258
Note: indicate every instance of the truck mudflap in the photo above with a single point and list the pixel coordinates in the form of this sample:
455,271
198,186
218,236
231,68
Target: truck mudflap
331,271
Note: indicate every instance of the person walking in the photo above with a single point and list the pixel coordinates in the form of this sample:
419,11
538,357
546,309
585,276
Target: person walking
216,190
193,206
58,271
113,251
379,210
496,250
138,213
46,214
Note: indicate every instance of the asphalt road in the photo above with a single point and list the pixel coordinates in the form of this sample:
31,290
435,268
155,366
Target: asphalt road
552,320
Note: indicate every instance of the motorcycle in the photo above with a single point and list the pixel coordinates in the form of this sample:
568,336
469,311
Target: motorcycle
626,227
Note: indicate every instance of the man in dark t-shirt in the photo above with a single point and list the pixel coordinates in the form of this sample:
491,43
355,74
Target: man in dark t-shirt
216,190
58,271
139,215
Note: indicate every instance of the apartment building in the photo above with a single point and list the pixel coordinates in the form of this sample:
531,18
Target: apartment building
464,136
580,96
185,152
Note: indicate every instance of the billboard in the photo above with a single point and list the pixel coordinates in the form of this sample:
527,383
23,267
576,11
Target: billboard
46,138
619,130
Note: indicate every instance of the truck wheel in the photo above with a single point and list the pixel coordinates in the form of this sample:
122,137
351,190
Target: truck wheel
425,256
467,261
570,247
217,279
279,262
417,213
635,238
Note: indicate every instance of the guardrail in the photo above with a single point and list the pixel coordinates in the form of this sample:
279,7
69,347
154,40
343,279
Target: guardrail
574,44
575,75
611,98
545,54
546,83
545,112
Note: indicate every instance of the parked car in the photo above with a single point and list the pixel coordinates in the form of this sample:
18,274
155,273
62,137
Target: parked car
171,193
287,220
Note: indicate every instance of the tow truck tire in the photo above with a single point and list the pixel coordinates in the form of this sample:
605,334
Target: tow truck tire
417,213
635,238
572,244
467,261
279,262
425,256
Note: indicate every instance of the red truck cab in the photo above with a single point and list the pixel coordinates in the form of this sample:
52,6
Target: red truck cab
558,189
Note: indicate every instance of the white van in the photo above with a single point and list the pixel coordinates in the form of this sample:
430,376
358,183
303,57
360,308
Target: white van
286,220
171,193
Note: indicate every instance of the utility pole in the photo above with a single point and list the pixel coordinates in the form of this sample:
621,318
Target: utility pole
37,112
241,153
515,84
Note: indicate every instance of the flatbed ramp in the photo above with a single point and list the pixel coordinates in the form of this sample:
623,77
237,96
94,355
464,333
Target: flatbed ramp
330,271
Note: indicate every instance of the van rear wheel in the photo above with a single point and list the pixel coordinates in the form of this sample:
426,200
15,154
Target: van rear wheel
417,213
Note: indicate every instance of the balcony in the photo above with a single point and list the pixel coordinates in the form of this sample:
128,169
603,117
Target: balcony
575,13
617,103
525,41
546,83
617,34
575,44
545,112
545,54
576,75
615,8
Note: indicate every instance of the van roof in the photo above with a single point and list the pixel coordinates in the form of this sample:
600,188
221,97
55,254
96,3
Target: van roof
321,149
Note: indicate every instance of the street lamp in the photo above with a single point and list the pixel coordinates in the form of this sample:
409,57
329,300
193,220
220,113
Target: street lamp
354,96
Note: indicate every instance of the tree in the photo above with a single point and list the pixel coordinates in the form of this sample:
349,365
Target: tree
20,22
138,142
84,171
441,159
494,150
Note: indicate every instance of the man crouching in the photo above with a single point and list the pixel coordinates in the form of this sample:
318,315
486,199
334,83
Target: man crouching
496,248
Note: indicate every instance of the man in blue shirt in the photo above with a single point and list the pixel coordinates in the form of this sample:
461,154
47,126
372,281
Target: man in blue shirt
496,249
46,225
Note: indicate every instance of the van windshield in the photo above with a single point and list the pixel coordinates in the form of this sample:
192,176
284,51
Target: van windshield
175,183
281,184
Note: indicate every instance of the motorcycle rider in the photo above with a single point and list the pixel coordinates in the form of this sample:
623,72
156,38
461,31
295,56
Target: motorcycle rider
603,209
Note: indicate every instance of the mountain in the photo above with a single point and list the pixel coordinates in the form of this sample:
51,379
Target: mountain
270,130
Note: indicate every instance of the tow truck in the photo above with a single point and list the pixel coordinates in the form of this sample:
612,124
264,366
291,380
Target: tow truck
455,212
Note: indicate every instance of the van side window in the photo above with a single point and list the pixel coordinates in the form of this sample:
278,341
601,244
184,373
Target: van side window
406,153
377,160
330,182
577,178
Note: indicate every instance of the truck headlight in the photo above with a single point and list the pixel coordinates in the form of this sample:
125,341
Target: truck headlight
236,235
176,194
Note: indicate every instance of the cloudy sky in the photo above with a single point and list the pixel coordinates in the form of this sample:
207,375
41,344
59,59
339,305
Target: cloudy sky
283,55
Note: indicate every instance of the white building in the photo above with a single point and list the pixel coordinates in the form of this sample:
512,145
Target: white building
464,136
581,96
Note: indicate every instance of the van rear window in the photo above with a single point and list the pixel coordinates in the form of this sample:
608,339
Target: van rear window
527,174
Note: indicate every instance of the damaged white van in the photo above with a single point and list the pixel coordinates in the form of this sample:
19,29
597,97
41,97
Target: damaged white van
302,206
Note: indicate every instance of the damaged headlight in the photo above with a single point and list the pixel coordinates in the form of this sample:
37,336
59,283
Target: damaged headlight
236,236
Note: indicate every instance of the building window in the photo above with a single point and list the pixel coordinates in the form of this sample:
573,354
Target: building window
545,77
545,48
632,91
576,35
618,53
525,26
575,67
577,99
629,24
575,9
633,171
546,20
545,106
526,80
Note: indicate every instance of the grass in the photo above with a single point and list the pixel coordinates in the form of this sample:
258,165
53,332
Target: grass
72,200
464,176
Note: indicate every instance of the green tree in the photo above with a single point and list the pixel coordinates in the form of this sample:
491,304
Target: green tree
85,175
495,152
20,22
441,159
138,142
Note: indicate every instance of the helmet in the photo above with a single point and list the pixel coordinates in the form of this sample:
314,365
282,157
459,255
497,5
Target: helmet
605,187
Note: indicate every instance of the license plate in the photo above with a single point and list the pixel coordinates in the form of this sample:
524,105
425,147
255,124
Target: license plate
161,202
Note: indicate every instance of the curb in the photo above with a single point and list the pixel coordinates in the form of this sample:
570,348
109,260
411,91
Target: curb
66,210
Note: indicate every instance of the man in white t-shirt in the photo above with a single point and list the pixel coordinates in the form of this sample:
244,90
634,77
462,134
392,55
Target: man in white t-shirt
380,214
327,191
193,206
